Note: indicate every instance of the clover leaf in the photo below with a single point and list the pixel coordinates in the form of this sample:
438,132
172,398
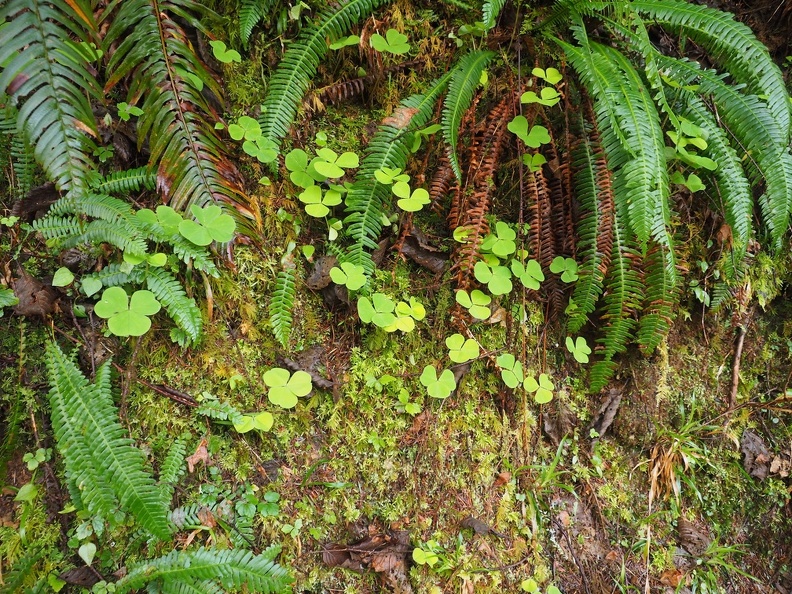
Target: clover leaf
125,111
90,285
461,350
296,162
387,176
543,388
349,274
547,96
501,243
393,42
551,75
579,349
438,387
210,225
263,149
535,161
62,277
419,135
262,421
285,388
475,302
246,128
535,138
692,183
224,55
344,42
511,370
406,315
165,217
332,165
317,203
127,317
566,267
377,311
530,274
497,278
413,202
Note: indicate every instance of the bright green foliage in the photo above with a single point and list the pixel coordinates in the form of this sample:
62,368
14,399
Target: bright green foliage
393,42
318,202
438,387
512,372
345,42
530,274
377,311
7,299
476,302
181,308
491,10
386,175
52,73
461,350
104,470
332,165
125,316
251,12
282,304
406,315
536,137
566,267
551,75
203,570
63,277
465,77
542,389
411,202
548,96
261,421
286,388
173,468
126,111
245,128
351,275
579,349
497,278
223,53
210,225
501,243
298,65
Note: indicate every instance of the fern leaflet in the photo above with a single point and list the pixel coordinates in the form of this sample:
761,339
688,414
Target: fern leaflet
171,295
281,305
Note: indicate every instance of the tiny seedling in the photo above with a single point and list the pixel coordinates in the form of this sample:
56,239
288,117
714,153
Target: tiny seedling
461,350
318,203
534,162
425,556
692,183
551,75
411,408
419,135
125,316
535,138
125,111
511,370
530,274
332,165
501,243
438,387
344,42
262,421
210,225
579,348
286,388
566,267
223,54
245,128
476,302
497,278
388,176
34,460
393,42
378,310
351,275
543,388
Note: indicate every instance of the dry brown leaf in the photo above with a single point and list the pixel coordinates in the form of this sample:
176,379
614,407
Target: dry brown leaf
201,455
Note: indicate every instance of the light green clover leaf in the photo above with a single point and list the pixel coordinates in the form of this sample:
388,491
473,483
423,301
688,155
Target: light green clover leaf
547,96
543,388
530,586
263,149
285,388
332,165
415,202
262,421
224,55
125,111
349,274
422,557
501,243
210,225
419,135
551,75
535,138
692,183
377,311
165,217
90,285
406,315
511,370
62,277
344,42
579,349
246,128
438,387
461,350
318,203
127,317
296,162
475,302
566,267
534,162
387,176
530,274
497,278
393,42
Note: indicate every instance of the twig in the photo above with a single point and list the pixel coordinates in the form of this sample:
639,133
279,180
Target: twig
736,367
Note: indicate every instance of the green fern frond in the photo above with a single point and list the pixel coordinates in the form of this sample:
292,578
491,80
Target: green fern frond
45,69
114,275
170,293
19,151
100,461
299,63
768,159
52,227
195,587
251,12
661,297
98,206
189,157
125,182
465,77
282,304
18,578
172,468
236,568
99,231
732,45
367,199
491,11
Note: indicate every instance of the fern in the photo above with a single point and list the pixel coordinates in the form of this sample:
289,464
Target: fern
235,568
367,198
731,44
21,154
465,77
251,12
189,157
281,305
124,182
46,71
117,274
490,12
172,468
22,569
194,587
102,464
299,63
171,295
